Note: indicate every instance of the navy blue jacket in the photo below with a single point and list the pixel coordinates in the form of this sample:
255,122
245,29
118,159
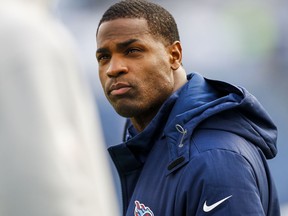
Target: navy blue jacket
204,153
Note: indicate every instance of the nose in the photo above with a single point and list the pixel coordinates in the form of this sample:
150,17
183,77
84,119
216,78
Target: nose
116,67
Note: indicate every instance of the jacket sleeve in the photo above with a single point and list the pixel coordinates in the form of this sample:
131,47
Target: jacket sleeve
220,182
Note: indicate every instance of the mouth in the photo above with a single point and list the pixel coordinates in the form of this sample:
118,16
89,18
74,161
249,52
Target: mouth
119,89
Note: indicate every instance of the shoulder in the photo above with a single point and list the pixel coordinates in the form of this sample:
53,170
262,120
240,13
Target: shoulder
218,156
222,165
213,140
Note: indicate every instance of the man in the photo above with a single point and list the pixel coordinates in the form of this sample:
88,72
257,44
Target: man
52,154
192,146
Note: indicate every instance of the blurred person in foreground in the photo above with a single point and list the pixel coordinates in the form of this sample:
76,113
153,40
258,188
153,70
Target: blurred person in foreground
192,146
52,154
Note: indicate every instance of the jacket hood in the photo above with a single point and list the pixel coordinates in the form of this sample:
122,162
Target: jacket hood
201,103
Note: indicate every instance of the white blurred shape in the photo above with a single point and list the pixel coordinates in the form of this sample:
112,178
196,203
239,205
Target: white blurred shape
284,210
52,156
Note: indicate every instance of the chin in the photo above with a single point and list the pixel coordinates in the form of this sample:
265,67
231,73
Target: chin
126,112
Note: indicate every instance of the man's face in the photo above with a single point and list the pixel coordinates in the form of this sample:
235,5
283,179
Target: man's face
134,67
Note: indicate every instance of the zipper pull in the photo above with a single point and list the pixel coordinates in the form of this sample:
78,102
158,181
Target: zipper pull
183,131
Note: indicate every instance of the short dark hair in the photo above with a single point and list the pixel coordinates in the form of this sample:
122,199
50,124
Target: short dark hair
160,21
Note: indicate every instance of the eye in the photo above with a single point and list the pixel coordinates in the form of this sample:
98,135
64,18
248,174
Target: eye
132,50
103,57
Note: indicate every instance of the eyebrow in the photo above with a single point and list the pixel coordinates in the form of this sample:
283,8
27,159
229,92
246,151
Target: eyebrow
102,50
119,46
125,44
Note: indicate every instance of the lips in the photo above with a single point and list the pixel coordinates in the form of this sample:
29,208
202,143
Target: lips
119,89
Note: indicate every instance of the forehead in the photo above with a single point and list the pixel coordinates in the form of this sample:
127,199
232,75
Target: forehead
121,29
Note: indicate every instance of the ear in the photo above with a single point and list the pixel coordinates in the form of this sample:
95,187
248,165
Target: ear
175,55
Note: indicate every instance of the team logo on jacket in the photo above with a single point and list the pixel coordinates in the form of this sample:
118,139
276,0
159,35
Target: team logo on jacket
142,210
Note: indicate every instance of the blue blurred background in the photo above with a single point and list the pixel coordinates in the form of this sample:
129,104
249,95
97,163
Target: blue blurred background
243,42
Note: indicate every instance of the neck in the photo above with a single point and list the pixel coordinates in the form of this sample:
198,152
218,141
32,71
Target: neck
140,123
180,78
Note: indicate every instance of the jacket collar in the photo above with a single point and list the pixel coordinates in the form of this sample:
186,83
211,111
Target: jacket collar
197,101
